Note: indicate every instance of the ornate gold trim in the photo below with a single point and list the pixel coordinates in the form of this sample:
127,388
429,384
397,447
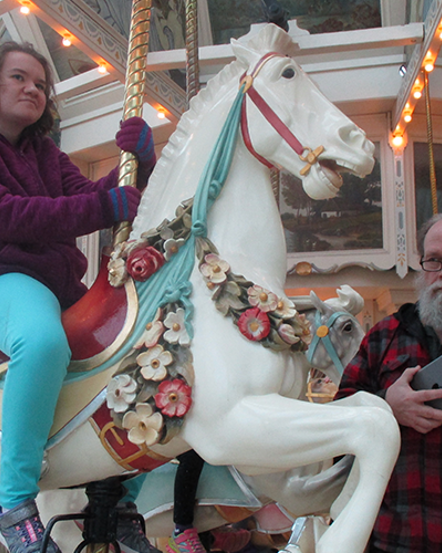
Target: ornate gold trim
144,451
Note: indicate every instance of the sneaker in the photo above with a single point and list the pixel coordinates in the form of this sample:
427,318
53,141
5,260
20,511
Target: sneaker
130,534
23,530
185,542
230,540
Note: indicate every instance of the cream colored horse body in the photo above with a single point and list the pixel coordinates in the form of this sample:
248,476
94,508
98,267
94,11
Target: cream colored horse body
245,412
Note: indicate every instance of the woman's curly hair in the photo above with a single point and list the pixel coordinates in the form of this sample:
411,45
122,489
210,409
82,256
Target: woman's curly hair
44,125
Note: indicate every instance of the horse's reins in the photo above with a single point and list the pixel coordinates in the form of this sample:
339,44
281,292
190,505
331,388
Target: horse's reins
281,128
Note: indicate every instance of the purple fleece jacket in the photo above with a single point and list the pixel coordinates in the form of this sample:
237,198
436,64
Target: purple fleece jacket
45,204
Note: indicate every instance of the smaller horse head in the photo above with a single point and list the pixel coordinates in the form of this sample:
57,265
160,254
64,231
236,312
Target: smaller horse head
336,332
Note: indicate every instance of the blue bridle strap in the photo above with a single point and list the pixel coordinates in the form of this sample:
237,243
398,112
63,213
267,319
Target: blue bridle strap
329,347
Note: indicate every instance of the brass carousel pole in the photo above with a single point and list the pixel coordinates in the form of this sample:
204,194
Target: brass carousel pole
192,61
433,184
134,96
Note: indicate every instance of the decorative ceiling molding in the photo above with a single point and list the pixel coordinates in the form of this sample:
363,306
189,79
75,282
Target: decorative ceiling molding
321,45
102,43
414,66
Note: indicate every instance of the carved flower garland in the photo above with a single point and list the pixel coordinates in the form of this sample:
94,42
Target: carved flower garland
141,258
150,394
260,315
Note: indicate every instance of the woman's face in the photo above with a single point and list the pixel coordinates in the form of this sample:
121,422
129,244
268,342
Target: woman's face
22,94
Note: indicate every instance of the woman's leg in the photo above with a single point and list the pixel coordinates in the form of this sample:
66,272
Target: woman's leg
31,334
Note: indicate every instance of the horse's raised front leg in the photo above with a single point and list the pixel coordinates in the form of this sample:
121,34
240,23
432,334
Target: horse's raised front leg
279,434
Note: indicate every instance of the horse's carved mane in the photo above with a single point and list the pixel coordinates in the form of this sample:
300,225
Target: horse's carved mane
249,48
179,138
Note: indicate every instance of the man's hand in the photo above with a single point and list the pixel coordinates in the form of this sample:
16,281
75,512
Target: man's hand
408,405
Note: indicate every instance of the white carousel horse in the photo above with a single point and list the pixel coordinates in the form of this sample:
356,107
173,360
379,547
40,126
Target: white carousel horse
224,494
244,395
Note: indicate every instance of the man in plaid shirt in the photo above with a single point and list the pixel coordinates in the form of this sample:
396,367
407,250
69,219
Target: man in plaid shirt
410,517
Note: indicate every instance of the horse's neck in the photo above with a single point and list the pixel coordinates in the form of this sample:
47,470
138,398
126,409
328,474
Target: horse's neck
244,222
245,225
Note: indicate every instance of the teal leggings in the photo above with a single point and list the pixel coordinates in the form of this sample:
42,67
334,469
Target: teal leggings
31,334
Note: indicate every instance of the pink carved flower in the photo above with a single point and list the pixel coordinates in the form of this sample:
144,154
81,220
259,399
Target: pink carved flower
262,298
254,324
143,262
214,269
287,333
173,398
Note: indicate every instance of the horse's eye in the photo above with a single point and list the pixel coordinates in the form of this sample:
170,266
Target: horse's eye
348,327
288,73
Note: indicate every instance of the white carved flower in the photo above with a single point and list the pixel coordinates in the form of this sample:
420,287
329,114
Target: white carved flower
153,363
177,333
262,298
287,333
143,424
153,332
121,392
214,269
172,246
285,308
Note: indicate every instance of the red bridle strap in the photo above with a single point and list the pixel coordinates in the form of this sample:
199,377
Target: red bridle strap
280,127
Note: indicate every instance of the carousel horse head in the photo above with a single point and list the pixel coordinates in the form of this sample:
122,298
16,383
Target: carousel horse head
336,331
281,97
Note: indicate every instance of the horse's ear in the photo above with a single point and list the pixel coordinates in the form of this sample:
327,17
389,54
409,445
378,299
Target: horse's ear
351,300
271,38
320,305
243,54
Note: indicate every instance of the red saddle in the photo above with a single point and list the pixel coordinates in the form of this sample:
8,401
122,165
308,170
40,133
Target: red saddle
99,322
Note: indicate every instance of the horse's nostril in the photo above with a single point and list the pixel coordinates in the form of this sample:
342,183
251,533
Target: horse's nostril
351,133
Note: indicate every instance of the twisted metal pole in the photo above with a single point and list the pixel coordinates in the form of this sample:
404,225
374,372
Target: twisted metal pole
192,61
433,184
134,97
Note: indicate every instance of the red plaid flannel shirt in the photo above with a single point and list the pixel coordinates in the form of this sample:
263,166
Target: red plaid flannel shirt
410,518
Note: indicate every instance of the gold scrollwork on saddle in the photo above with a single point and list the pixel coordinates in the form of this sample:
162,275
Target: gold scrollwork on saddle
127,454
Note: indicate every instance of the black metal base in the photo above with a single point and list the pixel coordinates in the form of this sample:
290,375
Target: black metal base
100,515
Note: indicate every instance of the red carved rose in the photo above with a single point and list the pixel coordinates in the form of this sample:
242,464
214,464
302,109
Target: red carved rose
143,262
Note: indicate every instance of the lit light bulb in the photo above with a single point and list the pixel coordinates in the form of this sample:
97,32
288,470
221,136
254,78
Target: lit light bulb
429,66
66,42
25,10
102,69
161,114
417,94
407,118
398,140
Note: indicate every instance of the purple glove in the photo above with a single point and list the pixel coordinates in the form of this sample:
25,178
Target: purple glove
124,201
135,136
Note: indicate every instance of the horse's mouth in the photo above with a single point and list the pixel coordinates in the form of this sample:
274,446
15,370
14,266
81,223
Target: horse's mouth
332,171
